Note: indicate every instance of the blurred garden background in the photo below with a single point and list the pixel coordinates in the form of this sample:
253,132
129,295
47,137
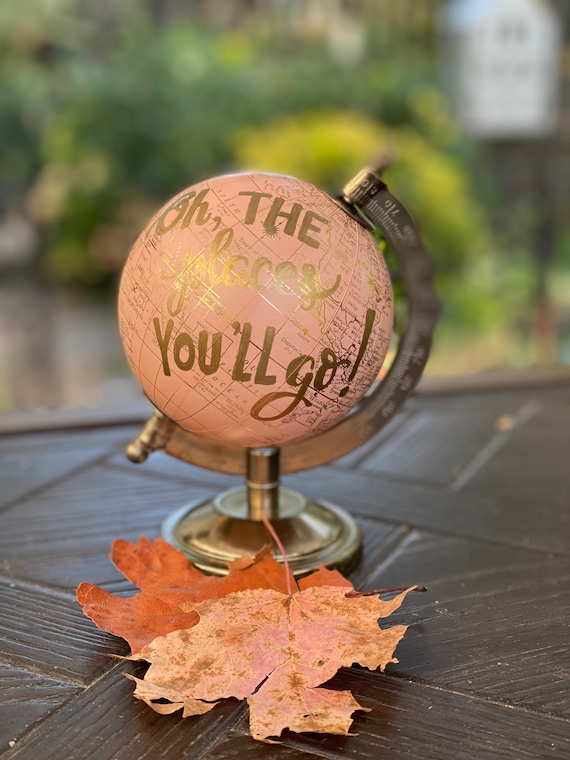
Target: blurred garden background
109,108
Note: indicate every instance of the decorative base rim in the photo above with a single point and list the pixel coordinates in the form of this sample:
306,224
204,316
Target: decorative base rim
214,532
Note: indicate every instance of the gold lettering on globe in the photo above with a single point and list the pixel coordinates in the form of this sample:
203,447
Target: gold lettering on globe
303,374
208,267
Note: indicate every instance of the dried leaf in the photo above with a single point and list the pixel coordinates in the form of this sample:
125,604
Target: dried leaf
254,634
167,579
159,569
137,619
274,650
324,577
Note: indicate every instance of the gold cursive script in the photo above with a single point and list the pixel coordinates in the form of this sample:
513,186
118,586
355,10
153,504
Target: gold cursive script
210,268
216,264
303,374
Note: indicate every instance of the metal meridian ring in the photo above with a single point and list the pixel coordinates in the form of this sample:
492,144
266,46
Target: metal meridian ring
374,206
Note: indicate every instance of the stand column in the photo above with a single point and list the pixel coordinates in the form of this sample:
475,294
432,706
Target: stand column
262,481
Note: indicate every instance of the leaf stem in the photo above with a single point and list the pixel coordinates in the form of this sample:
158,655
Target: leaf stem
275,537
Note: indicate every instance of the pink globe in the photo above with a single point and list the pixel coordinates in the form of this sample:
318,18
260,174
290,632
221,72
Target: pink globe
254,310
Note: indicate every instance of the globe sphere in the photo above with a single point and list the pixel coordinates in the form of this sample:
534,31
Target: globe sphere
254,310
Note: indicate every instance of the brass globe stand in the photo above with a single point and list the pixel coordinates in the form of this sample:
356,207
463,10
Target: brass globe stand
215,531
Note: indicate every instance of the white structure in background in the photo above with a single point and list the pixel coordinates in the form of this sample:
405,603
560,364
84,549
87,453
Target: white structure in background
502,65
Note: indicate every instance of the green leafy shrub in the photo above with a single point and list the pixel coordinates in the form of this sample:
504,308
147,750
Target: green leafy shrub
328,147
106,115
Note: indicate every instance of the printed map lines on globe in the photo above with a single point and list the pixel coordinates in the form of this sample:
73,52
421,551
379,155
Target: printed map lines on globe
204,299
261,242
208,398
265,239
203,385
251,313
305,419
143,342
208,299
203,257
248,396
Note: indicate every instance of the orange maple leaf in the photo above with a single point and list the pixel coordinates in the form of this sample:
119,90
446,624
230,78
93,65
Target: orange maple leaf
166,579
255,634
275,650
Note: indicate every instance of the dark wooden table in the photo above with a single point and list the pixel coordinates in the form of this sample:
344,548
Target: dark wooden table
466,492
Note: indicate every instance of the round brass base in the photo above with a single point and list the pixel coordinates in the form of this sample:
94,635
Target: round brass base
214,532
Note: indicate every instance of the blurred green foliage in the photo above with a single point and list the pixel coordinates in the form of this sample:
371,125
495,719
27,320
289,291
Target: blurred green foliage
104,115
104,120
325,146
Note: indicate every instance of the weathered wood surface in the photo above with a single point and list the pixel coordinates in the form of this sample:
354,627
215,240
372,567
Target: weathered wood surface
467,493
